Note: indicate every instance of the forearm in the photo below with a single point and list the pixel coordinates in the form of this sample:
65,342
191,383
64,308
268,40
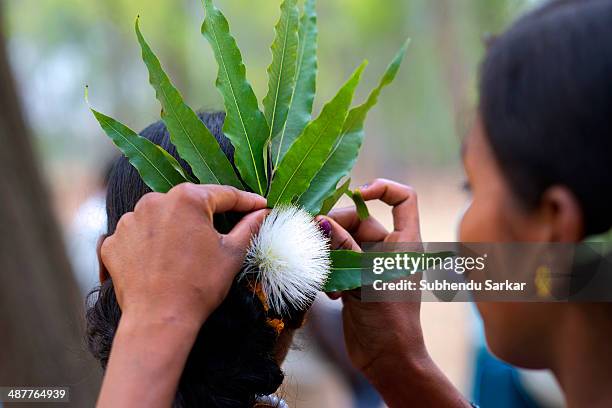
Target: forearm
146,362
404,380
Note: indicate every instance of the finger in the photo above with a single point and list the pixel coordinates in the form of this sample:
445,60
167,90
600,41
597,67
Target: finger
334,295
103,274
339,237
148,200
105,256
351,295
404,202
347,217
240,236
368,230
220,199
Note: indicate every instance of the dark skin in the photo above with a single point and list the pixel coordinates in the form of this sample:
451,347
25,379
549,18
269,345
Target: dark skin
385,340
571,339
162,314
170,270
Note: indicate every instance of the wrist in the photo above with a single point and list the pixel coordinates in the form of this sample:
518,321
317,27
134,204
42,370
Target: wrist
413,376
147,359
391,368
175,311
136,320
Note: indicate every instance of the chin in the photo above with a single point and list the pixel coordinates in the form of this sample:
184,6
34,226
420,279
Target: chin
514,335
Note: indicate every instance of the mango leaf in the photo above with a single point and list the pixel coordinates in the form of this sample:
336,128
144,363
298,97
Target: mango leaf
341,160
330,201
245,125
176,165
345,272
194,142
349,267
302,98
362,209
304,157
156,167
281,72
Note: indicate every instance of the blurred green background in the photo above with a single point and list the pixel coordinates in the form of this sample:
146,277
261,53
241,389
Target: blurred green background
58,46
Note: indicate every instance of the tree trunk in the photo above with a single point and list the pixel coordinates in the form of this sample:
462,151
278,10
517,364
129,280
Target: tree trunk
41,309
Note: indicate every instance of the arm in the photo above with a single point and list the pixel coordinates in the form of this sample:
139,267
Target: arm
384,340
170,271
146,363
408,378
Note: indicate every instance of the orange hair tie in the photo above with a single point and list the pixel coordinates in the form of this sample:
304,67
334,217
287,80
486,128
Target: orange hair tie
277,324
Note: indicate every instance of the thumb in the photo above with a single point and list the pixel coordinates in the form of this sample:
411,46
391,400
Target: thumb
240,236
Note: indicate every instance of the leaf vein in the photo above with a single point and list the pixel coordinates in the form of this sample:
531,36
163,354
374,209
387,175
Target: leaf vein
229,81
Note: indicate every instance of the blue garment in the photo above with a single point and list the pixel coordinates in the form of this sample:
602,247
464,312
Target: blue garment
497,385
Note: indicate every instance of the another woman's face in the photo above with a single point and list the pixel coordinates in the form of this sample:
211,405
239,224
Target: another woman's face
494,215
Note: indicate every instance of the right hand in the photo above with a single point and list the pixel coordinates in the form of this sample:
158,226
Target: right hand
377,333
167,260
171,269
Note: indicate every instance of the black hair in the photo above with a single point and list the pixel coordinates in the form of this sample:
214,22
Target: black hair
233,359
546,105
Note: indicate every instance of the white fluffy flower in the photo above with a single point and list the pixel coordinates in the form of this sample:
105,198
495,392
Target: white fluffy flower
290,257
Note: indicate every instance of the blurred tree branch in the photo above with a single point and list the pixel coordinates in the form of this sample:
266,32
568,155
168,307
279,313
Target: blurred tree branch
41,309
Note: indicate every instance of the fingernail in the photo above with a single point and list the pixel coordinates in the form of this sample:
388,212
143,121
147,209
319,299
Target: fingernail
325,227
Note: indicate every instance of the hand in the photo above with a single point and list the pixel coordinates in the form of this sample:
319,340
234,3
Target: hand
376,333
405,212
385,340
167,261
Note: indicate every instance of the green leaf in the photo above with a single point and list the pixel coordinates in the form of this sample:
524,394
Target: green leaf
362,208
194,142
348,267
304,157
330,201
176,165
245,125
302,99
341,160
156,167
281,72
345,272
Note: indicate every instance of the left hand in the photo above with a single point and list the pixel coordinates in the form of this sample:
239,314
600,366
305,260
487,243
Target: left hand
376,333
348,231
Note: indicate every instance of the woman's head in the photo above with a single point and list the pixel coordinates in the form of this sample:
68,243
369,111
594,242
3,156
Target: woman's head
238,351
545,122
539,158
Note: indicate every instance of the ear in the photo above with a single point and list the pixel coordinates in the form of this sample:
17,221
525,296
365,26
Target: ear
563,214
102,272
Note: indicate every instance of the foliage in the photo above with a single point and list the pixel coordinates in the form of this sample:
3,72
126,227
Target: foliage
191,137
280,153
161,169
348,268
303,160
303,92
342,158
362,208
